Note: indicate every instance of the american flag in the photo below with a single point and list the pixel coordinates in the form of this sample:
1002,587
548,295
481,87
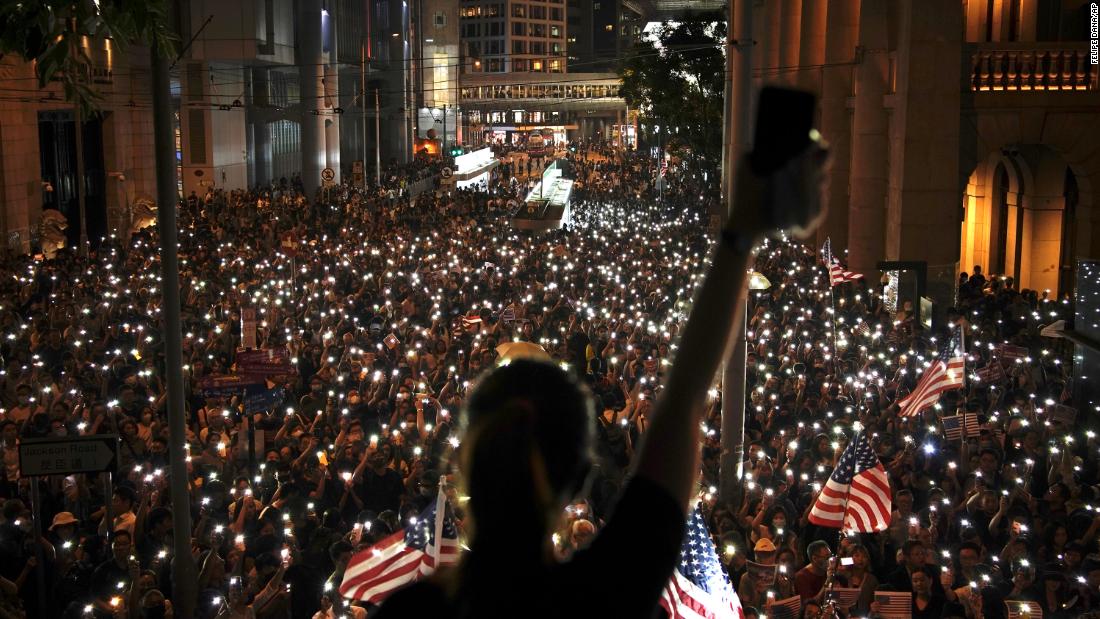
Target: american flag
1019,609
404,557
471,322
863,328
664,166
827,251
699,587
857,496
846,596
894,604
947,372
837,274
954,428
790,608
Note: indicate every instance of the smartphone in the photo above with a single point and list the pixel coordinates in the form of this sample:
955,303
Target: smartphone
784,120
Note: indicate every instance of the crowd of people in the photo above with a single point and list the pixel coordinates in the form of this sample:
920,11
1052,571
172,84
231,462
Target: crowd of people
386,306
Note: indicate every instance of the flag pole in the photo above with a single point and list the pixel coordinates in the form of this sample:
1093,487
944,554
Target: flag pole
440,514
832,304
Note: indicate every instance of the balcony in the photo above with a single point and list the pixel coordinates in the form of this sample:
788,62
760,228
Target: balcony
1036,67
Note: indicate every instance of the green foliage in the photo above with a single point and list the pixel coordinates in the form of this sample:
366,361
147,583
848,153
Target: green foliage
677,81
50,33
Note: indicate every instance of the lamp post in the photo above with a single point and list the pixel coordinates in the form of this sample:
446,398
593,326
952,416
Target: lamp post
733,401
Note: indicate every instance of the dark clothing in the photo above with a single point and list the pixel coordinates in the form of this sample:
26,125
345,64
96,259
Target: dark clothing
380,492
934,609
602,579
106,577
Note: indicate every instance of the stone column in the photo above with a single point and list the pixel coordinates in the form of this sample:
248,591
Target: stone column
789,41
310,70
870,144
769,40
812,45
842,30
926,186
332,121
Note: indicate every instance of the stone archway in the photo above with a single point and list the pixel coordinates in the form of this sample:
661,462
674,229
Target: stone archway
1034,148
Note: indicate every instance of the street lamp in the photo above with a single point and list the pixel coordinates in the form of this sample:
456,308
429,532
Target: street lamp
733,405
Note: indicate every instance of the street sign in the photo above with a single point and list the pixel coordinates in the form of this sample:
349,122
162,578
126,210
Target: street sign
357,166
327,174
68,455
446,173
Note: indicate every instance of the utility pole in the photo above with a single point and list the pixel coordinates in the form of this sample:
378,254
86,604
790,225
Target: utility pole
377,139
184,590
737,130
78,131
80,197
363,96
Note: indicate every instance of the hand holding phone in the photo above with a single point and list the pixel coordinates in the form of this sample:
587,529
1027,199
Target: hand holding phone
790,154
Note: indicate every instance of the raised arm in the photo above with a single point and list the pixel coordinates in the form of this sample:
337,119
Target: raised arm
674,427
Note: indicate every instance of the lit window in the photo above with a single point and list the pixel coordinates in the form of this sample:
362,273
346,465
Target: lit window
536,65
609,27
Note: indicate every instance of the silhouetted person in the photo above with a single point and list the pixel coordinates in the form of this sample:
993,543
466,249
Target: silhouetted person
528,451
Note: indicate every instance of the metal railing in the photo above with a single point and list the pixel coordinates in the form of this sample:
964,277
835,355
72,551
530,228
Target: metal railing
1032,67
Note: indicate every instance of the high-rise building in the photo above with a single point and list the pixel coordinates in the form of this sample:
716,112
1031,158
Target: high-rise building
437,55
525,36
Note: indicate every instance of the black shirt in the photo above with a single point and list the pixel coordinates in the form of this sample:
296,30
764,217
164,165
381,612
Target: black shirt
621,574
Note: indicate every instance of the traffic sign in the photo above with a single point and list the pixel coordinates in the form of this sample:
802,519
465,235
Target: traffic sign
446,173
68,455
327,174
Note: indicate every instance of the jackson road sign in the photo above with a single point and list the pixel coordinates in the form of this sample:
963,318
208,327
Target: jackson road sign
68,455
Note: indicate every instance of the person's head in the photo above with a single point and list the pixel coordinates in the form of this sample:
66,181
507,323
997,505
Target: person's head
154,605
922,584
64,525
914,554
529,428
818,553
969,555
861,558
159,522
764,551
123,500
121,545
340,552
9,431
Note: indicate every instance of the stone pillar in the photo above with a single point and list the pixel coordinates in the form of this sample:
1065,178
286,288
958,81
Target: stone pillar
261,136
870,144
332,121
309,70
789,34
811,51
769,37
925,185
842,30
